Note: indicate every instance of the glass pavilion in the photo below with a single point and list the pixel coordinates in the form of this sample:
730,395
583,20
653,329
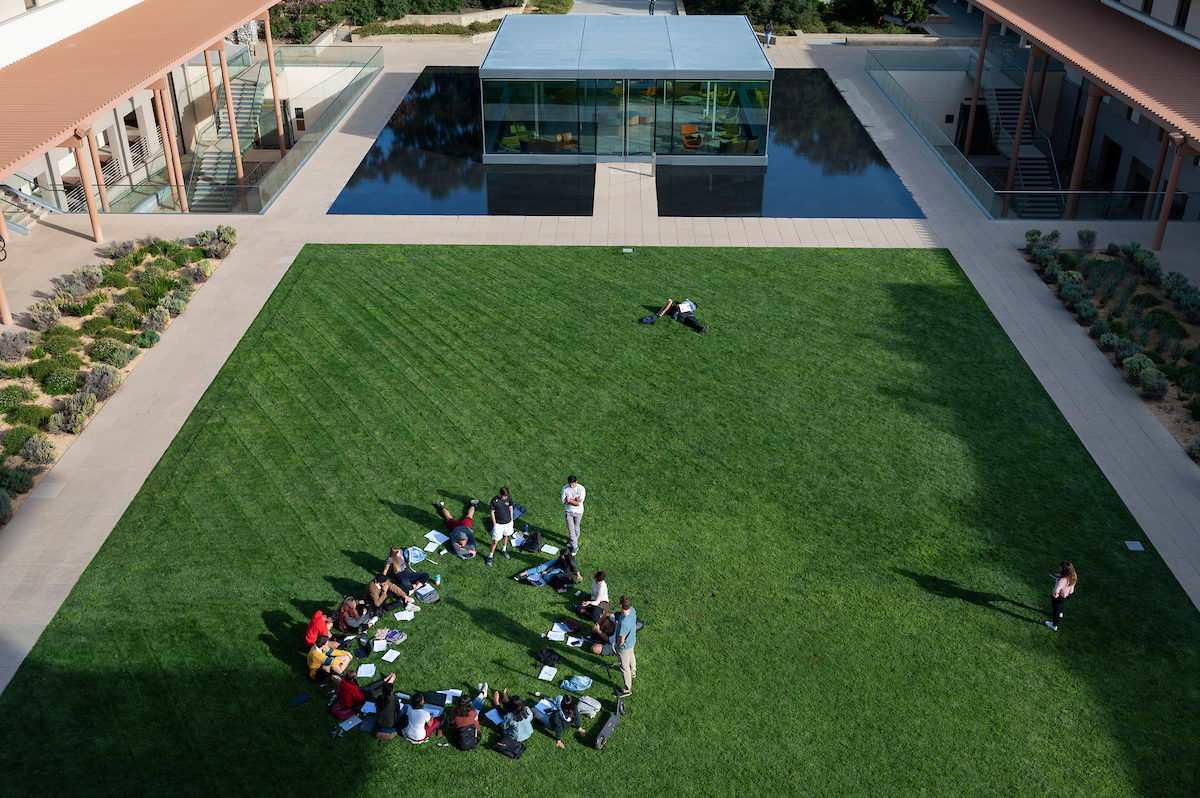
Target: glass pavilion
581,88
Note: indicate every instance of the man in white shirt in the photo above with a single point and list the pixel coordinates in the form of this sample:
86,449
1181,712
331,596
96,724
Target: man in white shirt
572,498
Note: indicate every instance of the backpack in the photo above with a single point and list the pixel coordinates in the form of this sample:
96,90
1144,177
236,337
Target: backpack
577,683
548,657
588,706
571,624
414,555
510,747
466,737
427,595
532,541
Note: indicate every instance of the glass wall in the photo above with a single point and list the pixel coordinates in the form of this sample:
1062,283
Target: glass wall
626,117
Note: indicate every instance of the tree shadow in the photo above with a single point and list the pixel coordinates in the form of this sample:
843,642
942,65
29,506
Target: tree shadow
948,589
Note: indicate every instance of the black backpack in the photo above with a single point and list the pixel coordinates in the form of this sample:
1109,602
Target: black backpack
510,747
548,657
466,737
532,541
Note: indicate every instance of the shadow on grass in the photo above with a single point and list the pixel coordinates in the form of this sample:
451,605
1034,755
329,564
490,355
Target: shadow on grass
418,515
371,563
283,642
948,589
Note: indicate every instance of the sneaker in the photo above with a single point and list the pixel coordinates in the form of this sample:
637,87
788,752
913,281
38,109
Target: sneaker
1051,625
704,329
440,505
507,556
413,607
488,561
474,502
483,689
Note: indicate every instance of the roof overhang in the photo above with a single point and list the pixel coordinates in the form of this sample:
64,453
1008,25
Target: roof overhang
68,85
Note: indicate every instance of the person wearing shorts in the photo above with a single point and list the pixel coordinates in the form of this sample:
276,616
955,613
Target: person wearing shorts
462,541
502,522
682,313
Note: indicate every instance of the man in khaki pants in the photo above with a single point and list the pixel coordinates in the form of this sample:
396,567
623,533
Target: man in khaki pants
624,638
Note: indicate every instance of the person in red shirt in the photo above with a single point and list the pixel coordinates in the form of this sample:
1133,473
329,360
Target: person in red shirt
349,696
319,625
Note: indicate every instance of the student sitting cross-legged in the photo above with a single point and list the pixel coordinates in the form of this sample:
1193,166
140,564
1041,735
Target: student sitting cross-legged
517,720
326,657
378,591
349,697
387,710
420,723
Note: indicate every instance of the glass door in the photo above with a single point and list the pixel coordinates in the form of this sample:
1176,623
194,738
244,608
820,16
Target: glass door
610,117
642,99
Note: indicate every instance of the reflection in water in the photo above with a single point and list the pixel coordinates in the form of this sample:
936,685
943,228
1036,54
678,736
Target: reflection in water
428,160
821,164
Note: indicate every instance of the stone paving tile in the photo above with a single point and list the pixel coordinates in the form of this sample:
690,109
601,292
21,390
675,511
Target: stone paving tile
59,529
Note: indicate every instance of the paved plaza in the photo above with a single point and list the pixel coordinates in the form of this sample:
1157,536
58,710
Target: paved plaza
61,526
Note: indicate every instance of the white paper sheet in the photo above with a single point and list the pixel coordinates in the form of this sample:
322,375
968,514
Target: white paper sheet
433,711
493,715
560,627
350,722
551,550
431,547
573,642
547,673
424,590
518,540
366,671
391,655
405,616
379,645
368,708
556,636
451,693
436,537
544,706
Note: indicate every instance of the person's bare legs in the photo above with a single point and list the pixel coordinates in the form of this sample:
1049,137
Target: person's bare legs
665,308
441,507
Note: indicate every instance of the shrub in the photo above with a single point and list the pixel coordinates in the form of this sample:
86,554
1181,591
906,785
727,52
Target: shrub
1130,250
1052,270
1134,364
226,234
1153,383
1189,383
1043,254
1173,281
30,415
1086,310
1194,406
217,249
15,481
157,319
93,326
1108,340
173,304
1190,305
60,381
58,346
203,270
13,344
146,339
102,381
39,370
204,237
149,240
116,280
1194,451
1099,328
1146,300
125,316
151,274
1032,237
89,276
38,449
119,249
66,423
1113,249
67,360
5,505
120,358
102,348
1156,358
1152,271
1069,276
1072,293
12,396
83,403
15,438
44,315
1086,239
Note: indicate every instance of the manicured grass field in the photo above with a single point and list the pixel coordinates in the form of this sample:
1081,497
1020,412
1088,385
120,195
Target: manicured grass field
837,513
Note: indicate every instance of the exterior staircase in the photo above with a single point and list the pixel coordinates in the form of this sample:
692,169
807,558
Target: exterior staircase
212,184
1036,170
21,211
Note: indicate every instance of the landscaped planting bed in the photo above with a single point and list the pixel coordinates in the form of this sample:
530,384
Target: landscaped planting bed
1146,322
88,333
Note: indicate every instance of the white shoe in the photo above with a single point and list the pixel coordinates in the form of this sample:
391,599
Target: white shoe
1051,625
483,689
412,607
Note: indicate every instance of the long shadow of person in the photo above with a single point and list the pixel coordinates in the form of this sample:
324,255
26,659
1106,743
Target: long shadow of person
949,589
284,637
420,516
371,563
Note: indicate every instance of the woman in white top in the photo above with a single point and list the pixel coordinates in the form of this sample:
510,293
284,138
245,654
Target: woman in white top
598,604
1064,586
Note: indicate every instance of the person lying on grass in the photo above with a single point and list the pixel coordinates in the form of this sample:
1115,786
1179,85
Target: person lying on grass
564,715
462,540
326,657
349,697
408,579
681,312
517,720
557,572
378,590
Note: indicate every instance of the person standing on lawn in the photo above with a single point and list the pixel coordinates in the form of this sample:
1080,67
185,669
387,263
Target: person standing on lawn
502,522
626,636
573,495
1064,586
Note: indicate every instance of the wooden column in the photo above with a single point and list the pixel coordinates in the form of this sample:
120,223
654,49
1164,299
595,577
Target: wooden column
233,131
1154,181
168,112
983,40
212,89
1095,93
85,177
172,178
1041,89
5,313
1012,165
1169,198
274,85
3,229
95,153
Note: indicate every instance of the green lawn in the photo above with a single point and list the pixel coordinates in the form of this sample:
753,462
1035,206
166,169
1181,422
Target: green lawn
836,512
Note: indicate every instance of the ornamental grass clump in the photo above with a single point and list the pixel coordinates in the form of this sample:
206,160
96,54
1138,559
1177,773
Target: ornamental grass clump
37,449
15,438
102,382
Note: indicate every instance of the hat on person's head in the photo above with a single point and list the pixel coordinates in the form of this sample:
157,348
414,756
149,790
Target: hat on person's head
571,479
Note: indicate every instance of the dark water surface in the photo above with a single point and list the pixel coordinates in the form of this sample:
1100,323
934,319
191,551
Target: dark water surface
428,161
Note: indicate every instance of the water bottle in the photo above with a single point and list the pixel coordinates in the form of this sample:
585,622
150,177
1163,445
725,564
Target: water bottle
527,530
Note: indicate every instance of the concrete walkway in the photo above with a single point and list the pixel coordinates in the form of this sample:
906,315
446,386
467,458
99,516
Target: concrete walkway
58,531
629,7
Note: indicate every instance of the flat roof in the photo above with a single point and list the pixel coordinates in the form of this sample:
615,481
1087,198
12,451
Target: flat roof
1146,68
553,47
50,93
